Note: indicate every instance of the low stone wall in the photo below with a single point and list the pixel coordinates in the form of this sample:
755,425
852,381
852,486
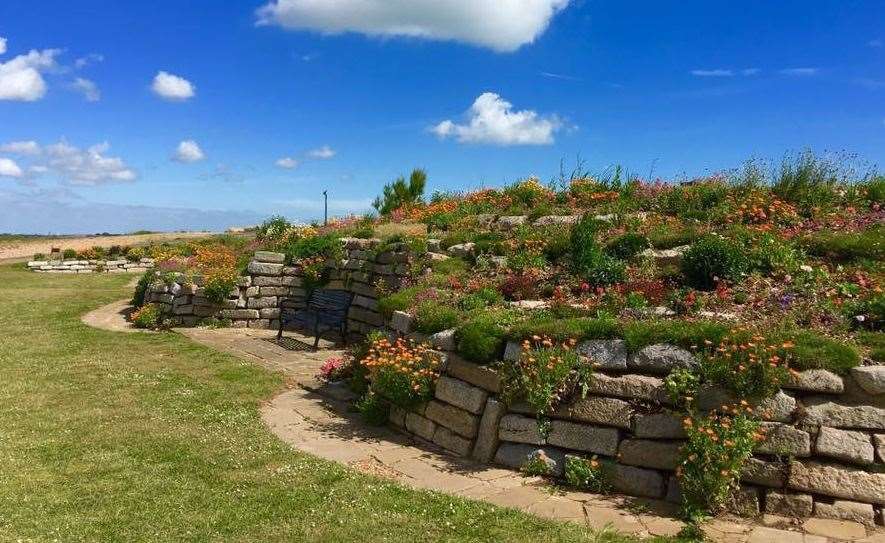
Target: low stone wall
91,266
824,454
255,302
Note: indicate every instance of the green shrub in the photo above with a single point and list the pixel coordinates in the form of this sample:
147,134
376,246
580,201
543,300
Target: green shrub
450,266
374,409
875,190
400,193
218,288
482,298
148,316
141,287
768,254
39,256
712,458
587,474
561,329
593,265
750,367
694,201
324,246
397,301
627,245
848,246
813,351
867,312
432,316
686,334
538,464
808,181
273,228
69,254
875,343
713,258
481,339
667,236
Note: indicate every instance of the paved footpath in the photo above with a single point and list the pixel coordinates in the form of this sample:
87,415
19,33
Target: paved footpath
315,418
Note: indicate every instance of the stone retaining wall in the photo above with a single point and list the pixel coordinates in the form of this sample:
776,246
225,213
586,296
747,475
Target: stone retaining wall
824,454
255,302
91,266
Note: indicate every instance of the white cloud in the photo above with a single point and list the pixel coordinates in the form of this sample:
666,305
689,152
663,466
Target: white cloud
86,166
87,88
875,43
492,120
719,72
288,163
502,25
91,58
323,153
800,72
188,151
172,87
2,45
750,71
21,78
21,147
8,168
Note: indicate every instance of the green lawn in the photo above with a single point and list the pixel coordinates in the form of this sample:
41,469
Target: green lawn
134,437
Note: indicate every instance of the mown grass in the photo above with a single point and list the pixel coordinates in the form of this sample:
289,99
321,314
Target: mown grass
150,437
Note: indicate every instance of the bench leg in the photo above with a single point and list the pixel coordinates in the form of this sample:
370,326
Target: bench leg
316,334
280,331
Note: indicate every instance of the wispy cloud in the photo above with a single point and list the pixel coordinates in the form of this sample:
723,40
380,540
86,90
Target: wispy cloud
876,43
87,88
724,72
872,84
552,75
800,72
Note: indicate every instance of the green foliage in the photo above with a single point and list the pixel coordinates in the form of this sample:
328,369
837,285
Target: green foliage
480,299
694,201
39,256
397,301
374,409
667,236
711,259
450,266
749,366
875,343
809,181
432,316
273,228
769,254
481,339
866,312
626,246
562,329
587,474
546,374
69,254
141,287
813,351
537,464
218,288
682,385
848,246
148,316
399,193
588,259
875,190
686,334
320,246
712,458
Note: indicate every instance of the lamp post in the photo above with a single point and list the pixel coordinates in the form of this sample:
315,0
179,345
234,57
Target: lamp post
325,209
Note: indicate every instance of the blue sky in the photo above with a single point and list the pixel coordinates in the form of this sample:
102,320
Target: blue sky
261,106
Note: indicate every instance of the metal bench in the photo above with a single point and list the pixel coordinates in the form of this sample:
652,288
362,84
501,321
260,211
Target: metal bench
325,310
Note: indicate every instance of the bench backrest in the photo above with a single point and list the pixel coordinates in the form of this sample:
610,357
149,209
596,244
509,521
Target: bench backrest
329,300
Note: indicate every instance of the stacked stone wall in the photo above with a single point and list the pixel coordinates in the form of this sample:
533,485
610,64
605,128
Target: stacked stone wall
824,454
255,301
91,266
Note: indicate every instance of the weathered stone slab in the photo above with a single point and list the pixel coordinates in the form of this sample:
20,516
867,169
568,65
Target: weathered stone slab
598,410
850,446
238,314
870,378
879,444
273,291
638,387
837,481
661,358
764,473
461,394
451,441
512,351
557,219
816,381
604,354
444,340
637,481
846,510
782,439
822,411
520,429
583,437
264,268
788,504
511,221
269,257
481,376
744,502
778,408
420,426
402,322
650,454
461,250
457,420
267,281
487,436
665,425
262,302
